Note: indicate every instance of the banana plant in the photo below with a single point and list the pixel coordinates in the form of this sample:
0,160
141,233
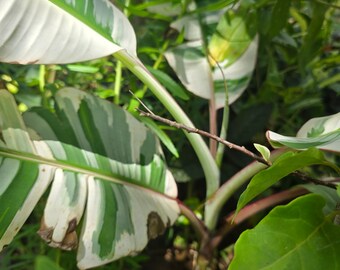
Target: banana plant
61,31
103,167
110,189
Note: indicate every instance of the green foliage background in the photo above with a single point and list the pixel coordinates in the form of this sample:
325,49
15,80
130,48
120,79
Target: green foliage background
296,78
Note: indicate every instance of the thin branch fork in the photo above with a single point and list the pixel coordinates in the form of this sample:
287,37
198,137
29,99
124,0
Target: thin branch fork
203,133
241,149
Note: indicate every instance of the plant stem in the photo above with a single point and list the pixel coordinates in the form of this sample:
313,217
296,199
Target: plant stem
119,67
196,223
225,118
231,145
208,164
223,135
118,82
133,104
254,208
217,200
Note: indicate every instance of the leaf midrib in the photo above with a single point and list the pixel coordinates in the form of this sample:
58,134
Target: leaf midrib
97,173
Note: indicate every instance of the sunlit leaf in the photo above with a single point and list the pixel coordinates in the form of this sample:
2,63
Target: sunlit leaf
265,152
295,236
61,31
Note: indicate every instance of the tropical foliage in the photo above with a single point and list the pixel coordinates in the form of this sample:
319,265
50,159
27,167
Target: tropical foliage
75,153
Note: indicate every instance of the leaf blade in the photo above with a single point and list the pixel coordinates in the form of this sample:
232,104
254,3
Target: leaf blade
299,237
286,164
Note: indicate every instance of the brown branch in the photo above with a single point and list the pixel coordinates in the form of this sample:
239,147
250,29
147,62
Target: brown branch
307,178
198,225
252,209
241,149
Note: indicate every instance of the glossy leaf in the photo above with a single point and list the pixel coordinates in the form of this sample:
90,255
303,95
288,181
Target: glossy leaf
284,165
99,158
321,132
295,236
62,31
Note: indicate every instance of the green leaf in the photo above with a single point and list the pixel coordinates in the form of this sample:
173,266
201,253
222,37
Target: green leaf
279,17
233,35
44,262
312,42
265,153
62,31
194,71
100,161
330,196
284,165
295,236
321,132
164,138
169,83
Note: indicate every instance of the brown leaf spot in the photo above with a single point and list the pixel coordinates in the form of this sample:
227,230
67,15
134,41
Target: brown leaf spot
70,240
155,225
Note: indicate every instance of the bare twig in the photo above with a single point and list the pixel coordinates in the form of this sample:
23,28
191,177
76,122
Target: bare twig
241,149
307,178
205,134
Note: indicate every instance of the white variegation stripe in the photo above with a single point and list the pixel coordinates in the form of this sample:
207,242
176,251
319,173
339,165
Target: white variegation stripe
8,170
92,220
18,139
24,40
65,203
141,205
42,182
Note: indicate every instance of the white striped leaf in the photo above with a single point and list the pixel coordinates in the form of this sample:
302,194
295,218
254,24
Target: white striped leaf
320,132
232,56
116,173
62,31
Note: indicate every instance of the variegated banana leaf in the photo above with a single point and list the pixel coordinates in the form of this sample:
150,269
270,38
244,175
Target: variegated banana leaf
320,132
104,167
232,51
62,31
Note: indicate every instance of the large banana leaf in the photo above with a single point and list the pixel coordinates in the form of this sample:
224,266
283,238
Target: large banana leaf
61,31
98,158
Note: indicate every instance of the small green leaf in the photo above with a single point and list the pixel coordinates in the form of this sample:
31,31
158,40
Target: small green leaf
169,83
286,164
295,236
44,262
265,153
